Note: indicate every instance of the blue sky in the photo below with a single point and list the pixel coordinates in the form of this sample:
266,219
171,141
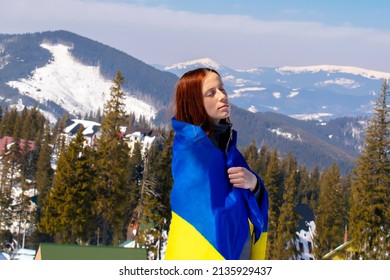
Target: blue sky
237,34
359,13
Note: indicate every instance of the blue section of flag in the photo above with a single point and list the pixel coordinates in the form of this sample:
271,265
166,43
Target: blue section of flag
203,196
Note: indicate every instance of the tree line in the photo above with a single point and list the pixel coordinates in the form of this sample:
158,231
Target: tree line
104,194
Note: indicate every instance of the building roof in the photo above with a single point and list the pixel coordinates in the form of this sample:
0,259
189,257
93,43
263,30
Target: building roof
7,140
345,247
73,125
51,251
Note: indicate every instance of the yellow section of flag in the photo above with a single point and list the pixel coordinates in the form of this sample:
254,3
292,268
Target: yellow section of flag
186,243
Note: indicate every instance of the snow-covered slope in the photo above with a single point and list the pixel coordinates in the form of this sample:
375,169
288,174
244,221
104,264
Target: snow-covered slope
370,74
312,92
74,86
205,62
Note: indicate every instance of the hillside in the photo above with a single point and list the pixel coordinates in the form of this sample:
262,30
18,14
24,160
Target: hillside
312,142
62,72
22,55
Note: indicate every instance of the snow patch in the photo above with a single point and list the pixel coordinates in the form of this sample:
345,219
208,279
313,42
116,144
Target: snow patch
251,71
276,94
19,106
76,87
4,61
252,109
229,78
306,117
347,83
293,93
239,92
286,135
205,62
274,108
239,82
370,74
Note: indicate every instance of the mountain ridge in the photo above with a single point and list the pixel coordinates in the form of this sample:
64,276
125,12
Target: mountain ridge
322,91
22,56
208,62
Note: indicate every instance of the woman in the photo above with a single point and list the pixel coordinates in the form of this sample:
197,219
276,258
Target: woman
219,206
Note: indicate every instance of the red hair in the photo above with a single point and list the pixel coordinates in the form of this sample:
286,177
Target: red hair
188,105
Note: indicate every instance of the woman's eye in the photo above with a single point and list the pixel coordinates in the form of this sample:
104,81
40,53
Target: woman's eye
211,92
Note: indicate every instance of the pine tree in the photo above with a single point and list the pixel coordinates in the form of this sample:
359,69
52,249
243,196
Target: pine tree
370,193
285,247
156,202
112,184
303,185
272,181
314,188
24,152
43,179
33,125
136,166
19,166
8,122
67,210
14,157
45,173
251,156
263,161
165,179
146,216
27,156
58,138
22,212
331,213
5,192
98,117
18,125
12,206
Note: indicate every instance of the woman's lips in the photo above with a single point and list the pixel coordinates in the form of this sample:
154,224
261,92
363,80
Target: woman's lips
224,106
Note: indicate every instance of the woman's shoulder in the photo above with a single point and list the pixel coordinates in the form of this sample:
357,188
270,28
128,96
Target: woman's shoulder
187,134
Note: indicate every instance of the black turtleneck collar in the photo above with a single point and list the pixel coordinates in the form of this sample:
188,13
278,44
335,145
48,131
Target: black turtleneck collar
221,135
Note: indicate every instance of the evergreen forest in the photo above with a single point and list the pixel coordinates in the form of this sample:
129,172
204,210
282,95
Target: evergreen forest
73,193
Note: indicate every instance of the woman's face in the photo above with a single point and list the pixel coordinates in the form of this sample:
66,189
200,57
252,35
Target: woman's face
215,98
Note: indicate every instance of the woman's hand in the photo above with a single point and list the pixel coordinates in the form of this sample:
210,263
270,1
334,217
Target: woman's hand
240,177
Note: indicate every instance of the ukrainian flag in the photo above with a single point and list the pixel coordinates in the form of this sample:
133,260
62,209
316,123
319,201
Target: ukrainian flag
211,220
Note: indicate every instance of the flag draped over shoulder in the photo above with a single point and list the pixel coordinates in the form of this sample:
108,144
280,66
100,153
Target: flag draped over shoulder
210,218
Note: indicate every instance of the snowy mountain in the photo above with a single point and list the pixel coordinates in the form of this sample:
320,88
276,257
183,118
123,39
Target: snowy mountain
61,72
76,87
313,92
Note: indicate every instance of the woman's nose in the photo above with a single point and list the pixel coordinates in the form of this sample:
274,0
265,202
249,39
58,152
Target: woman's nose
222,95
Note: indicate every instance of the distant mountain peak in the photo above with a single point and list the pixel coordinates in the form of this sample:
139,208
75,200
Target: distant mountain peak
203,62
370,74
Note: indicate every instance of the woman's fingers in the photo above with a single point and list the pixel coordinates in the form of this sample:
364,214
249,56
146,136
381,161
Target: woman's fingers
240,177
